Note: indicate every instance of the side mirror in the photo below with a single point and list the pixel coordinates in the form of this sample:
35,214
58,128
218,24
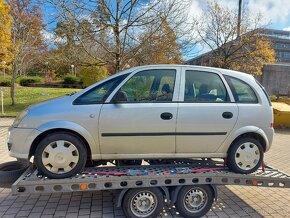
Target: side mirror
120,97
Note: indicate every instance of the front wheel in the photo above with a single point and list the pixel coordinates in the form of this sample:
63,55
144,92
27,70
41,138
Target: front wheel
245,156
60,155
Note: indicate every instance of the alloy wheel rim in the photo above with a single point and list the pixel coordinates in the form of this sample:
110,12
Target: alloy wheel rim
247,156
60,157
143,204
195,200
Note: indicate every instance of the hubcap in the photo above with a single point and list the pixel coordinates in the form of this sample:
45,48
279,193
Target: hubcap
60,157
195,200
247,156
143,204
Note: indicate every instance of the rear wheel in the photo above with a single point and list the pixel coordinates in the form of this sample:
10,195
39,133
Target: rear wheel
60,155
194,201
245,155
143,202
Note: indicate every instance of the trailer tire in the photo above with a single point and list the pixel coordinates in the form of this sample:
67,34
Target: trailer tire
201,201
11,171
152,198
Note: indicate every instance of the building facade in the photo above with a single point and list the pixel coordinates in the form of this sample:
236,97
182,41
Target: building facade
275,77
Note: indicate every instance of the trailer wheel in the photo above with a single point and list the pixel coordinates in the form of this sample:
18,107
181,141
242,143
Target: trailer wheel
143,202
194,201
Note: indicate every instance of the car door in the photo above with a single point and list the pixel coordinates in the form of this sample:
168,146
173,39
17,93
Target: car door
142,122
206,112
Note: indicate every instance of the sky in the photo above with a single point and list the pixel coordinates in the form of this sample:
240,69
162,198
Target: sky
276,15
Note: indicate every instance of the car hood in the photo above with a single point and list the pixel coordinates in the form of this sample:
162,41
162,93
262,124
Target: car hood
51,108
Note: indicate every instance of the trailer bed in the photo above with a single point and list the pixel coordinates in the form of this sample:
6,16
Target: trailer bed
158,176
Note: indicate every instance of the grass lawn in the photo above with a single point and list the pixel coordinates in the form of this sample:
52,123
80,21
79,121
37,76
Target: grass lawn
26,96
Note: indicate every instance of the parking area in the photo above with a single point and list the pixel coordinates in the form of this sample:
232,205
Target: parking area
233,201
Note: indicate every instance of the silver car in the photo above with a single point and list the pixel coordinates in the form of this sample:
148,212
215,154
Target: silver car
149,112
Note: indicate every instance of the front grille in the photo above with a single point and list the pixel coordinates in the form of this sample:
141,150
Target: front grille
9,146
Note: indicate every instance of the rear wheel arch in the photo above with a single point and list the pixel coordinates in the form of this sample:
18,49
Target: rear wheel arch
253,135
59,130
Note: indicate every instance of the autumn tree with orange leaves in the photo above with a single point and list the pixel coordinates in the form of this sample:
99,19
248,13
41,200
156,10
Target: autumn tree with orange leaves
6,55
159,47
248,52
26,36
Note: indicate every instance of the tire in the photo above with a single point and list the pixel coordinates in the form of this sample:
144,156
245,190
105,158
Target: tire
204,194
67,161
238,162
11,171
128,202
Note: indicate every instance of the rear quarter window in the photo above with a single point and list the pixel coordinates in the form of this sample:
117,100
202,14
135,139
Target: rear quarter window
243,93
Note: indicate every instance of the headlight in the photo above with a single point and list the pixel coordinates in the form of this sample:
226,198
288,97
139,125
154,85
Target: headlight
19,118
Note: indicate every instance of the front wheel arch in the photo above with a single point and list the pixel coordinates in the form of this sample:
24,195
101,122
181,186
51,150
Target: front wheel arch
44,134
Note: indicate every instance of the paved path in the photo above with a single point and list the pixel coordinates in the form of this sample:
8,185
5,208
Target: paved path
233,201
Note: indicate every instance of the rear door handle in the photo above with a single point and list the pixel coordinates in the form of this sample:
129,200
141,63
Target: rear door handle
227,115
166,116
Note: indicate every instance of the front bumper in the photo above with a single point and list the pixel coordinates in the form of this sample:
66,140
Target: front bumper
20,140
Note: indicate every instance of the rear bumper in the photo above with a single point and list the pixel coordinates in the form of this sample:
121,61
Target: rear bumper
20,140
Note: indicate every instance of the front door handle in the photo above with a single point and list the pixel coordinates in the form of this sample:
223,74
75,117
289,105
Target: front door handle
227,115
166,116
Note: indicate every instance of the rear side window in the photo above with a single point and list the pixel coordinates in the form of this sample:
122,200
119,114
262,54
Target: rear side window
99,94
242,92
203,86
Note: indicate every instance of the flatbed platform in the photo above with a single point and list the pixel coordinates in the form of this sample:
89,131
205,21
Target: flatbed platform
113,177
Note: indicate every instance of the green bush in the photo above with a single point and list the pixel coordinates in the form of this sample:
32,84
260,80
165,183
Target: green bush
273,98
92,74
71,80
29,80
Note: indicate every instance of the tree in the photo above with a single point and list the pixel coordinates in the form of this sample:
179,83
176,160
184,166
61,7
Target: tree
26,37
90,75
160,47
248,52
6,54
113,28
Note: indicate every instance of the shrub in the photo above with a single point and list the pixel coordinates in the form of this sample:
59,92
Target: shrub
71,80
273,98
92,74
5,83
49,76
30,80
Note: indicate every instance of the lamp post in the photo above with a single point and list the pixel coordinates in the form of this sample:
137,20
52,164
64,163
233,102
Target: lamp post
4,68
239,19
72,69
46,66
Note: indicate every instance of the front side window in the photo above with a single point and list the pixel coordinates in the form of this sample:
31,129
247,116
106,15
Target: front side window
203,86
242,92
149,86
99,94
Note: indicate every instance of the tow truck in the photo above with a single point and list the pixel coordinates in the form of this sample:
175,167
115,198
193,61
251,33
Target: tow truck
142,191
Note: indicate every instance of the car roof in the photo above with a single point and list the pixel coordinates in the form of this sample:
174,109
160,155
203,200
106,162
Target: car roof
233,73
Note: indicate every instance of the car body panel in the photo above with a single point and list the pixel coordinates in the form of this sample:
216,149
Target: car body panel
91,121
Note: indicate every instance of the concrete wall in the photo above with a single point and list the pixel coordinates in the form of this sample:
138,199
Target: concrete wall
276,79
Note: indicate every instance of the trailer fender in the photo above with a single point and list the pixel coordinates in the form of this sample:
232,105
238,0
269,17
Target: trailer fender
175,191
